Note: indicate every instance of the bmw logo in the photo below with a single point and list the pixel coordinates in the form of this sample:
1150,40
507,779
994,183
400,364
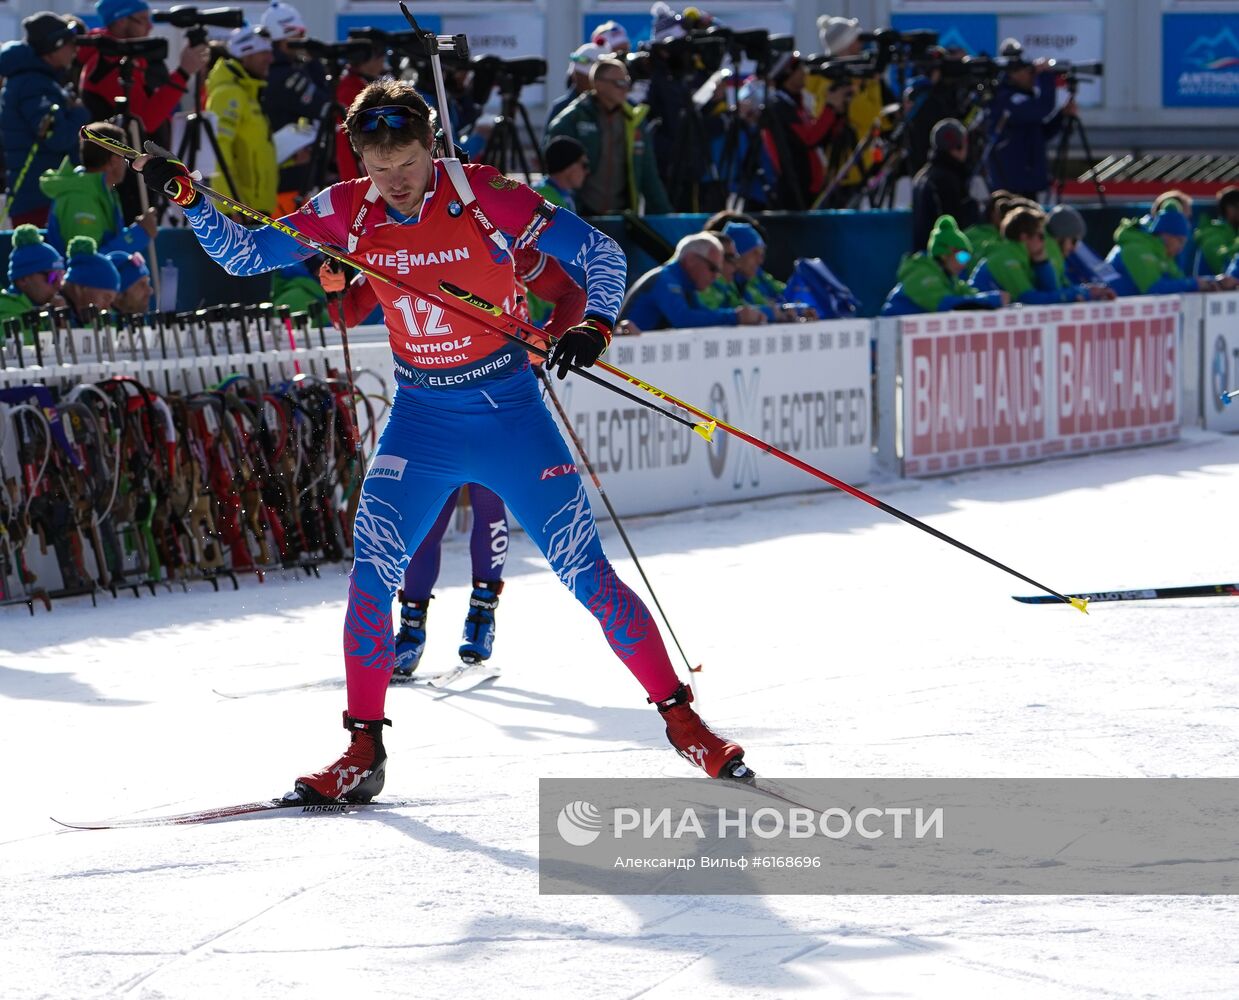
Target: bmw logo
454,208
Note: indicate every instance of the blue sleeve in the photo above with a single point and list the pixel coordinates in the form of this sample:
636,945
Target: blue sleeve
991,300
1035,107
1045,279
669,297
568,237
1042,297
1233,268
982,280
1167,285
237,249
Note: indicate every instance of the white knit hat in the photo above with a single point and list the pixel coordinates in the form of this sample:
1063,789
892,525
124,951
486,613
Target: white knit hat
247,41
837,33
283,20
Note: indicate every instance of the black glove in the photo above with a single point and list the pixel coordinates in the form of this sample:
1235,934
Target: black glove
580,346
166,174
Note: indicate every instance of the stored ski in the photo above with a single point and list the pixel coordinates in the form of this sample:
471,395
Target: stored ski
233,812
1146,594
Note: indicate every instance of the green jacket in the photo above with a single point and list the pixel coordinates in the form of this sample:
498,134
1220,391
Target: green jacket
924,281
580,120
1010,267
721,295
1218,243
235,98
982,236
13,303
1144,255
84,205
300,294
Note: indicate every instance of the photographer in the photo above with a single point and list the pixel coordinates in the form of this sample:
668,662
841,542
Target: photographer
928,99
39,119
841,37
615,141
799,139
941,186
296,84
152,94
1021,120
234,92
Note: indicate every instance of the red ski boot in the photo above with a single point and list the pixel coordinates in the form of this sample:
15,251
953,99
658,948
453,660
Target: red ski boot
358,775
697,742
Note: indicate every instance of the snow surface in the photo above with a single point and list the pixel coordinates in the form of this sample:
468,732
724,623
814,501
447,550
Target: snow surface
837,642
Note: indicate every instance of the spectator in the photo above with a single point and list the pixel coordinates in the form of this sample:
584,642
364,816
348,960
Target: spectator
933,281
1021,119
91,282
1020,264
85,203
579,64
152,93
134,293
941,186
35,273
364,68
668,296
234,91
1074,263
841,38
757,287
34,137
723,292
985,234
612,132
797,139
297,88
611,36
1144,255
1218,239
567,166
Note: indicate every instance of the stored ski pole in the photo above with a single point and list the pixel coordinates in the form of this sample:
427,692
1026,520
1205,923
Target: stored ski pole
342,326
619,525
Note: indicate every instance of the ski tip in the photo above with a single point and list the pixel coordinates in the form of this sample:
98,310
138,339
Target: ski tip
706,430
1080,604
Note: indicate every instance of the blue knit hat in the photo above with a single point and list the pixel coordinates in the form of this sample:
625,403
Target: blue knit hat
1170,222
88,267
744,236
130,267
114,10
31,255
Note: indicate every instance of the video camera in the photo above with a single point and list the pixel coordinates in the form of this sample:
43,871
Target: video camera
700,50
509,75
197,21
843,67
334,53
1071,70
126,48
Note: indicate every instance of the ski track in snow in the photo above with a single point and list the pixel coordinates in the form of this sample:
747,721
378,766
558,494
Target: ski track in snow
837,643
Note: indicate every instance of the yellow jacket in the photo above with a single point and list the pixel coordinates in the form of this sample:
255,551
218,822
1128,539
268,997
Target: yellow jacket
244,133
865,109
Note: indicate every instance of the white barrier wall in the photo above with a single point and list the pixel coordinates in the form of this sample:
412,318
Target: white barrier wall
1013,385
1219,360
803,388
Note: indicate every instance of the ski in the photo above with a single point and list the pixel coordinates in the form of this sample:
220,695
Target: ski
233,812
1145,594
744,777
445,678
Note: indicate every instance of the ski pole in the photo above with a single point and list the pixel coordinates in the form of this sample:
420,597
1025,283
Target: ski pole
839,484
337,254
512,323
342,326
606,500
1226,397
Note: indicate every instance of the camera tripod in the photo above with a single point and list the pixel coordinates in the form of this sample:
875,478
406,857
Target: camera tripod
1071,125
196,123
503,149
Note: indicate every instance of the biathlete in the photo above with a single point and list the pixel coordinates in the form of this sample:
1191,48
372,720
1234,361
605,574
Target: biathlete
467,407
488,539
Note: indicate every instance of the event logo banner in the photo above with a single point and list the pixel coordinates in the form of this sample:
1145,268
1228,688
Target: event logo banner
983,389
900,836
1200,60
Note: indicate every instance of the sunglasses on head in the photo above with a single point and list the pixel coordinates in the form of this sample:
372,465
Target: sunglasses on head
55,277
391,115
